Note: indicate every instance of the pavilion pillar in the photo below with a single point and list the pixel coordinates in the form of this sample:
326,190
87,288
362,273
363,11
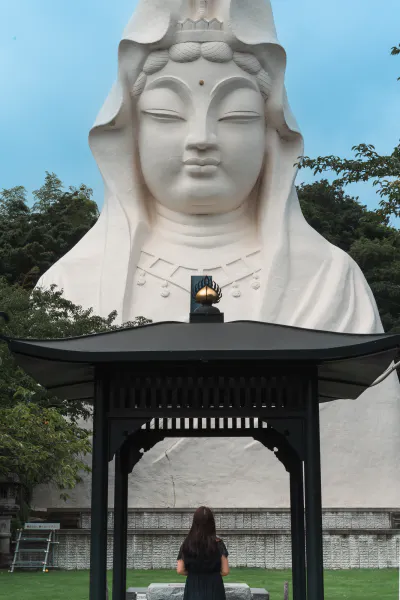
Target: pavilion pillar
99,507
120,524
297,531
312,470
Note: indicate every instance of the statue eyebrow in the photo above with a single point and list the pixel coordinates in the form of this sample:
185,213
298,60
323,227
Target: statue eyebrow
173,83
237,82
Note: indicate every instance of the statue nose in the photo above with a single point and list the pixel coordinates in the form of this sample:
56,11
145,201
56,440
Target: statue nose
205,145
201,135
203,142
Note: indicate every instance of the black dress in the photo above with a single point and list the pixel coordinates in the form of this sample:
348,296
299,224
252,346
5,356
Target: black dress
204,580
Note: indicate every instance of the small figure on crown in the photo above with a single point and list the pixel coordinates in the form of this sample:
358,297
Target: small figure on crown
202,9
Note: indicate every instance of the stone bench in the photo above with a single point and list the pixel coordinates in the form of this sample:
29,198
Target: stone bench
174,591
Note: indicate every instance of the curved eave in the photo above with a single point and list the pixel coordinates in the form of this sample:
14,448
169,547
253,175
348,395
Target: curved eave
347,363
243,340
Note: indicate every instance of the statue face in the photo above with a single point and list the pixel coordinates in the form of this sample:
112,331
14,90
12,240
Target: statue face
201,136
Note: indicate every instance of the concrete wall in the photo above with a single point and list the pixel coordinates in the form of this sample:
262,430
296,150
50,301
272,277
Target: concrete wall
255,538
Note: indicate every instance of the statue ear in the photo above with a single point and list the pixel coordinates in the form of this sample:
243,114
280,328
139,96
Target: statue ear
152,20
252,22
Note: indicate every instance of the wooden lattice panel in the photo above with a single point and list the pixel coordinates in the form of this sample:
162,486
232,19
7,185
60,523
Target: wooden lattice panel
209,424
226,392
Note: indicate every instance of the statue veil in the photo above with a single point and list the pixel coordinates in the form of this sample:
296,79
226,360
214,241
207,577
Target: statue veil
306,281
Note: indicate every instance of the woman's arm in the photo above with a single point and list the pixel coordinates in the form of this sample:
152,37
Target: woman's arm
224,557
224,566
180,567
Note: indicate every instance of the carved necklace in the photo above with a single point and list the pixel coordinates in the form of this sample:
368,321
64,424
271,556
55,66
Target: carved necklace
166,272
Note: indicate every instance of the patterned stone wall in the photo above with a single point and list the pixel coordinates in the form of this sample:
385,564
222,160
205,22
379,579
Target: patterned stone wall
255,538
247,519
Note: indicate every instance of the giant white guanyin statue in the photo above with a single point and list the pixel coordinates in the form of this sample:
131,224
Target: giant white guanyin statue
198,148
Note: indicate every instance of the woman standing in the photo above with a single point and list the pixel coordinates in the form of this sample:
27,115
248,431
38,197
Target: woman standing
204,559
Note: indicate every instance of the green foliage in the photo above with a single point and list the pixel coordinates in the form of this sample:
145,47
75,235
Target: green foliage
339,217
40,439
394,52
43,314
41,446
365,235
34,238
367,165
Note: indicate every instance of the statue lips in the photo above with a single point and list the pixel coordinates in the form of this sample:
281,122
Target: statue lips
200,167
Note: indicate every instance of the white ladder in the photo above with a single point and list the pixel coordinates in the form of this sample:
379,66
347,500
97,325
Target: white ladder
38,548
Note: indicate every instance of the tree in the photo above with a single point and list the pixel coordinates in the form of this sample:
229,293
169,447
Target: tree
40,440
367,165
43,314
394,52
15,225
49,193
40,446
365,235
32,239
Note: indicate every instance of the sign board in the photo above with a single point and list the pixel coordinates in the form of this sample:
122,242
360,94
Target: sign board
39,526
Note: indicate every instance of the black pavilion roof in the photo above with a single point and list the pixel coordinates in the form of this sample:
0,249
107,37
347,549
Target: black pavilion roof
347,363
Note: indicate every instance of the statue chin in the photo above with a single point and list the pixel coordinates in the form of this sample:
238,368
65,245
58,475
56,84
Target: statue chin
209,203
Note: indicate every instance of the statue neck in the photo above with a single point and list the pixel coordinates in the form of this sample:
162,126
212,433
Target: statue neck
206,232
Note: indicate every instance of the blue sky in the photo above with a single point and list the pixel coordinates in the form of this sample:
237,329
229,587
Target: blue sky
59,60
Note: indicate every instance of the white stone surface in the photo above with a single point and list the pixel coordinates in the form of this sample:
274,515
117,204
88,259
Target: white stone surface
165,591
237,219
353,550
174,591
238,520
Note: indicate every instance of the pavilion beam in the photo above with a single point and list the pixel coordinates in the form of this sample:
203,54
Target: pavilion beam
298,531
99,508
266,414
120,524
312,470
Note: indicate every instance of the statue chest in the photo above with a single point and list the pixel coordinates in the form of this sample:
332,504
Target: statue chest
161,289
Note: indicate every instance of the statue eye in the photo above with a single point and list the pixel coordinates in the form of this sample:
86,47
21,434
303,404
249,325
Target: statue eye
160,114
240,116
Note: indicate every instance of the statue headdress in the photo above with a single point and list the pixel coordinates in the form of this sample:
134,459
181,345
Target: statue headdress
201,22
246,25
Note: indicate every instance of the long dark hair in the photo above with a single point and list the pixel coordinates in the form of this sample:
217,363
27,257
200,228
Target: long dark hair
202,537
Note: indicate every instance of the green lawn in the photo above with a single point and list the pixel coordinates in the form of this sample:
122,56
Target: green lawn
73,585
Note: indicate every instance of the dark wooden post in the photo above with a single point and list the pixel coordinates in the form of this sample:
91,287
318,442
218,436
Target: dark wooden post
297,530
98,536
120,524
312,470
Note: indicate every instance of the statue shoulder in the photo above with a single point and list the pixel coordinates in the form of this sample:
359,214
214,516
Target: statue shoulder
332,293
53,276
78,280
348,263
361,311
